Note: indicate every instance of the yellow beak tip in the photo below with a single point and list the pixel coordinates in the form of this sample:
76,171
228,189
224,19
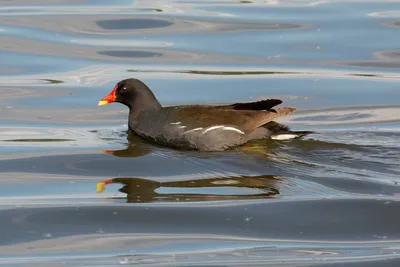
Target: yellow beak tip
100,187
102,103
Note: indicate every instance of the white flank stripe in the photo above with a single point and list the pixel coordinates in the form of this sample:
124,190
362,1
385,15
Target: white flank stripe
284,136
175,123
193,130
213,128
233,129
223,128
181,127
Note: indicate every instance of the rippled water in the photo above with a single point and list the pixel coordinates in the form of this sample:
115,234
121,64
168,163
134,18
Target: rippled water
330,199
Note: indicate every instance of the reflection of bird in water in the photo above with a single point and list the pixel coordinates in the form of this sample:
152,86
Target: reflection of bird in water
144,190
136,147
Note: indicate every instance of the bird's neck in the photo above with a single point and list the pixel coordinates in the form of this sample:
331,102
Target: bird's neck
143,104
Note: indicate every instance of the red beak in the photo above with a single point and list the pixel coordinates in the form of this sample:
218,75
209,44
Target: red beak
109,152
108,98
100,185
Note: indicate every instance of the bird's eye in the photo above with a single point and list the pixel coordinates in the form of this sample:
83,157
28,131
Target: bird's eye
123,89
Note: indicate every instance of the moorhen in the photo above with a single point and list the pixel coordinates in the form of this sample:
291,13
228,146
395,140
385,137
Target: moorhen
199,127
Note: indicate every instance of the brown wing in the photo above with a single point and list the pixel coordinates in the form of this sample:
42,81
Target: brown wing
246,120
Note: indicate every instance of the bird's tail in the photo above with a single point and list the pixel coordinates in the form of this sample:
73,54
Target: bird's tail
282,132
